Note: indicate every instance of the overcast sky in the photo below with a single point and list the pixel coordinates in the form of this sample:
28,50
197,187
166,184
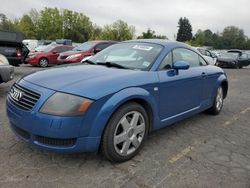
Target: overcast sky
159,15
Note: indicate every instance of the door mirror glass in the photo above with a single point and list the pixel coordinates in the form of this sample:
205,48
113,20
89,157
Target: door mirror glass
181,65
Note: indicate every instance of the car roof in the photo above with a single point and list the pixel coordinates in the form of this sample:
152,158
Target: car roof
101,41
163,42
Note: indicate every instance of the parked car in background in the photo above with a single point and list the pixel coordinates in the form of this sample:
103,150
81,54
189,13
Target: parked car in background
115,99
85,49
233,59
209,56
47,56
64,42
44,42
12,47
6,70
30,44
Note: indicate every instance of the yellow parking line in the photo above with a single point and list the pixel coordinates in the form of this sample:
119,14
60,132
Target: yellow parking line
181,154
245,111
227,123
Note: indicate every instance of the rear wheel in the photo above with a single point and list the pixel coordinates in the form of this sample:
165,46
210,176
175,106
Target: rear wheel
125,133
218,102
43,62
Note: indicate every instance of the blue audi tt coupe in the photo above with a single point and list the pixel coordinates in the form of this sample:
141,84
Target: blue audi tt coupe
114,99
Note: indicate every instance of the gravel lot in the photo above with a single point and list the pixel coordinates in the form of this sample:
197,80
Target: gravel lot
202,151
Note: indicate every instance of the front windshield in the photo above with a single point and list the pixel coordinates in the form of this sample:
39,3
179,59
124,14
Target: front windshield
49,47
84,46
132,55
229,55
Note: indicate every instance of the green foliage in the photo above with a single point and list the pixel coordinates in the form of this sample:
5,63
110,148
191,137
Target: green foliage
118,31
26,26
76,26
150,34
7,24
50,24
185,30
231,37
53,23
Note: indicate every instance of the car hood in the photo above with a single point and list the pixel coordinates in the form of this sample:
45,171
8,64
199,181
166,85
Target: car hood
91,81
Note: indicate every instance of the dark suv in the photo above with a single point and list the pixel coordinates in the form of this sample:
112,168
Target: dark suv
12,48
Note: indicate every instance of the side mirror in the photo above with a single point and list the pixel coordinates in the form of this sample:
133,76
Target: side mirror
181,65
96,50
54,52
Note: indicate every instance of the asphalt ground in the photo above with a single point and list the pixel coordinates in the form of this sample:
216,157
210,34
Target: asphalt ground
202,151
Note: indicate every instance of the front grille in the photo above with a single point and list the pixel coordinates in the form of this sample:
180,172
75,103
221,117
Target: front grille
56,142
26,100
22,133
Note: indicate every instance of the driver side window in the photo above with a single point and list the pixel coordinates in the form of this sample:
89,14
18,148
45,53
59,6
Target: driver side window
183,54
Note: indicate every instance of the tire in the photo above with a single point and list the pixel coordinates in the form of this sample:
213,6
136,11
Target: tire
43,62
237,66
123,139
218,102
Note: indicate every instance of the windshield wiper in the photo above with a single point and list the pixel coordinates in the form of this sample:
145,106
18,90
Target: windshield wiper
111,64
88,62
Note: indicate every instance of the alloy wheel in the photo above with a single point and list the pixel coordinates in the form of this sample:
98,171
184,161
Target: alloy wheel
129,133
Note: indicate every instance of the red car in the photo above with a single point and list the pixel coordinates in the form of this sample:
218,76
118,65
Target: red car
48,55
84,50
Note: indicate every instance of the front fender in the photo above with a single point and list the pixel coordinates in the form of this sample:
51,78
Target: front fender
116,100
222,78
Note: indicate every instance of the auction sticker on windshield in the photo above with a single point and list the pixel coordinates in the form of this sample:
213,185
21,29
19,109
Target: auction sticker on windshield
142,47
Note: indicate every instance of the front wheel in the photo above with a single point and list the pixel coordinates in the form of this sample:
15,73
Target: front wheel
43,62
125,133
218,102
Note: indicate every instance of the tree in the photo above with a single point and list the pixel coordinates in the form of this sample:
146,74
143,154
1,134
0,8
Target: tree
150,34
97,32
199,38
76,26
50,24
7,24
27,27
185,30
119,31
208,37
233,37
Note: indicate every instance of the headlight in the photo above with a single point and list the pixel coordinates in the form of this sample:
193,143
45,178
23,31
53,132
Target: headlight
63,104
73,56
32,56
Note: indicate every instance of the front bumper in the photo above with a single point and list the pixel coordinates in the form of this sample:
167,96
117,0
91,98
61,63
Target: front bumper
68,61
226,64
47,132
31,61
6,73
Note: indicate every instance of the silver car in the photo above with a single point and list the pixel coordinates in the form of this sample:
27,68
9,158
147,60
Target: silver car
6,70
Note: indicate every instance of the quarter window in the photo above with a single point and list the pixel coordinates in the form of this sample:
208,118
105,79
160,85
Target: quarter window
166,62
202,61
182,54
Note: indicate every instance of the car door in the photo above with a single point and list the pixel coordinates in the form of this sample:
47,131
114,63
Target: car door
53,54
179,93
